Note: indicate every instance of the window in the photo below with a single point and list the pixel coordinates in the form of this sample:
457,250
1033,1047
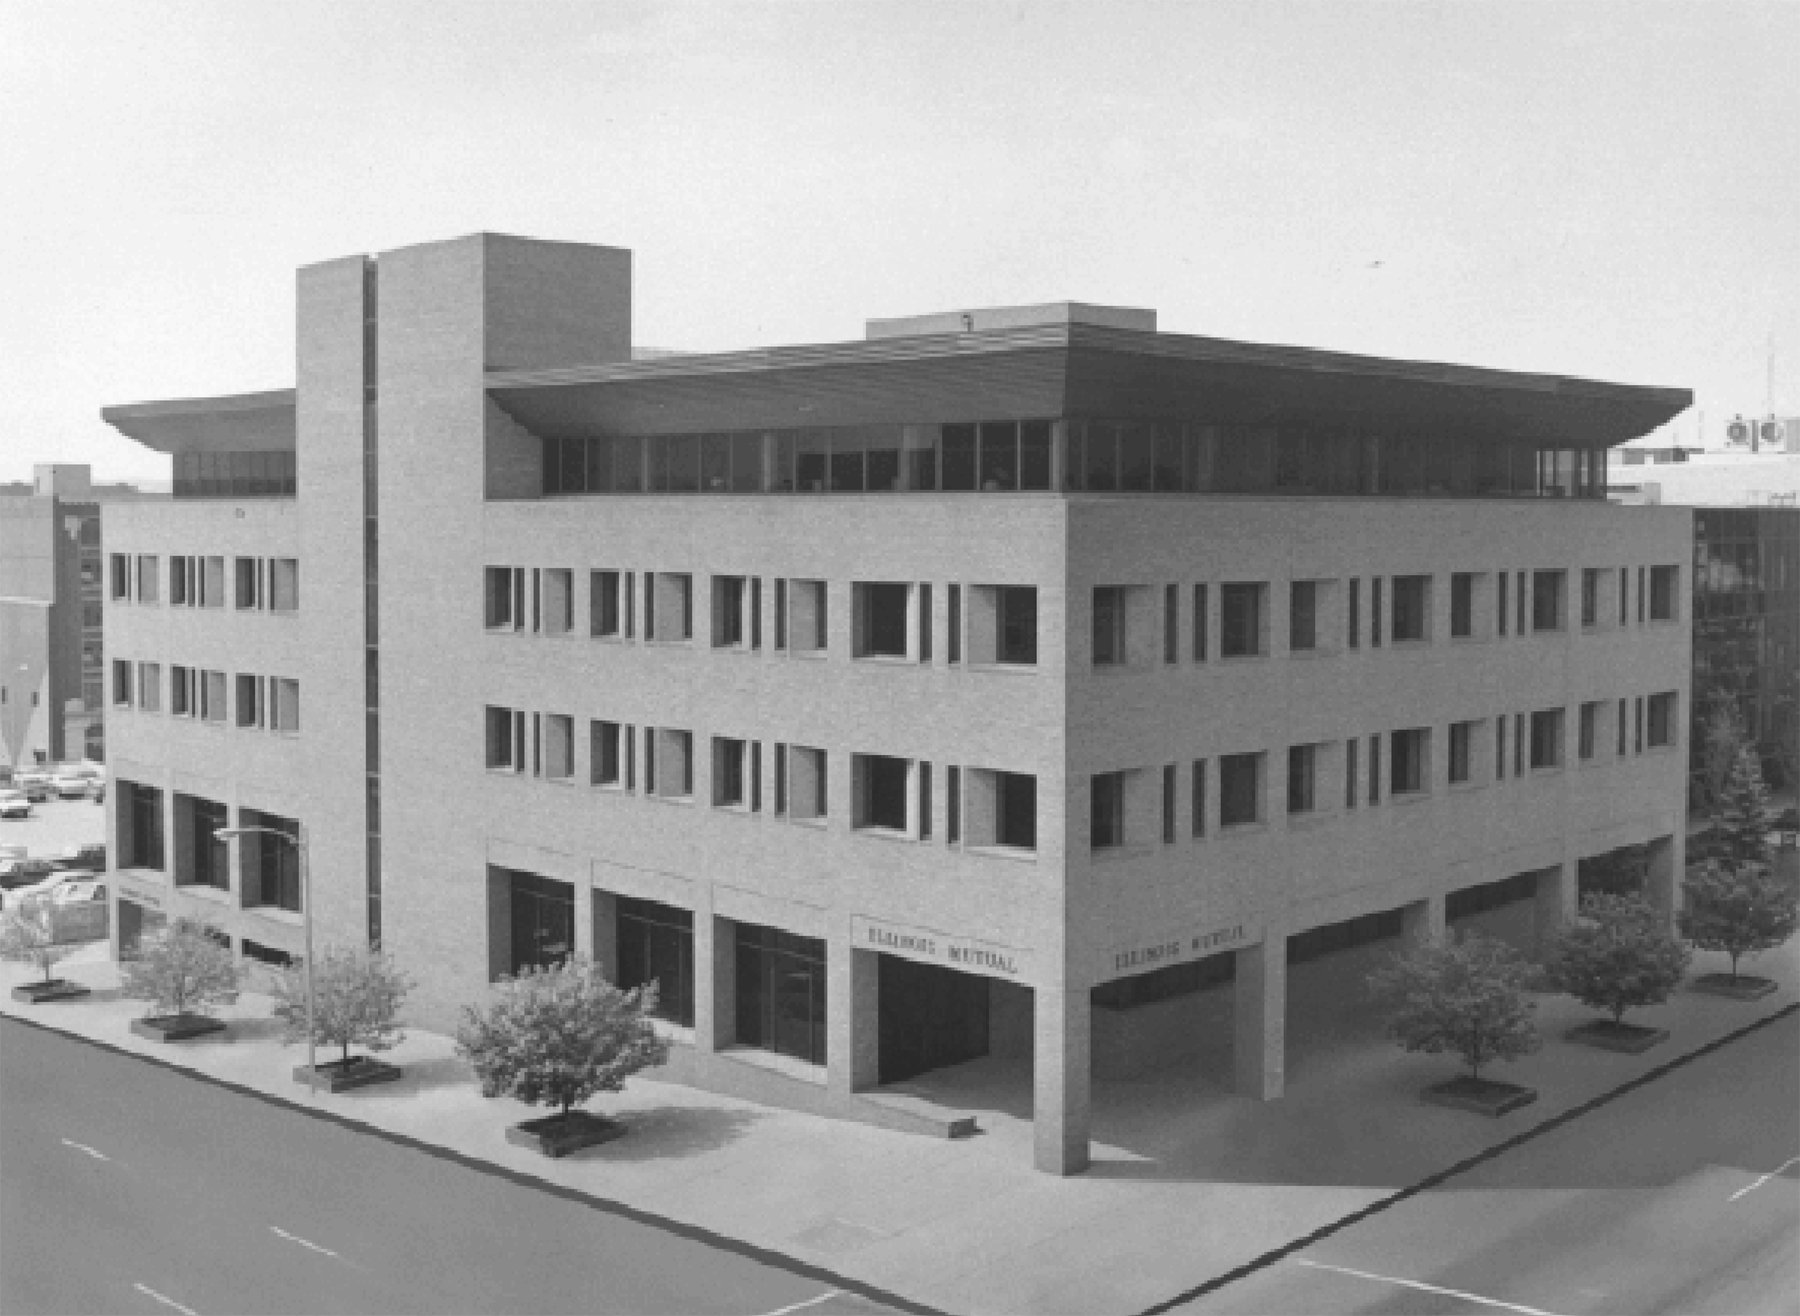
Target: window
1588,729
505,591
924,780
141,821
1662,720
559,747
607,743
730,608
1106,810
880,609
1547,738
806,618
212,582
1303,615
1302,779
284,704
880,783
119,577
248,578
1662,593
212,696
1500,744
1171,623
1015,625
249,700
1241,620
284,584
184,699
1353,612
201,855
271,866
808,798
953,805
1412,609
669,763
656,944
1197,794
147,579
1462,756
505,739
1168,804
1640,596
1375,612
1624,595
184,591
608,599
953,622
1015,810
149,687
1350,752
1200,623
1590,597
1240,790
1500,611
780,993
558,601
1519,745
1462,605
1374,769
121,683
668,606
1523,602
1621,725
1407,774
730,768
1547,592
1109,625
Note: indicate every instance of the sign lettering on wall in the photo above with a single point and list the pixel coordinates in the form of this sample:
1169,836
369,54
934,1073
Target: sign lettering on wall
1177,947
947,949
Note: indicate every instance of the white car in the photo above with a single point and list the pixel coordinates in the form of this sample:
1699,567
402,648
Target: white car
78,890
14,804
71,785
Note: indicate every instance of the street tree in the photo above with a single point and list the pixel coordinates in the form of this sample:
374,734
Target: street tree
1466,995
357,995
558,1036
1740,909
182,971
27,936
1618,955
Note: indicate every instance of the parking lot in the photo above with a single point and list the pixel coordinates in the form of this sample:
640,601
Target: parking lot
55,825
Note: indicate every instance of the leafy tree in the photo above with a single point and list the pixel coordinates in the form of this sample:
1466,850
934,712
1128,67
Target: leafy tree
1721,739
1618,955
1465,995
26,935
1619,872
357,994
1740,818
558,1036
1741,909
182,970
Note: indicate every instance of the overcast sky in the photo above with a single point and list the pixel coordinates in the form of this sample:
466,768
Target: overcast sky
1600,190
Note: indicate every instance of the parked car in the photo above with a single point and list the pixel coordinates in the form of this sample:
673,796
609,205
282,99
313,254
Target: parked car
89,858
34,784
14,804
71,785
78,891
16,873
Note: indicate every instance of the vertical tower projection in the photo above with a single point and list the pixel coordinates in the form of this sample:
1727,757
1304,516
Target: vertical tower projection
371,425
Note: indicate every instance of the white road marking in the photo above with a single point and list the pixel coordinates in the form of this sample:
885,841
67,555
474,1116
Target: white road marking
82,1147
1792,1160
167,1302
295,1238
1427,1288
802,1306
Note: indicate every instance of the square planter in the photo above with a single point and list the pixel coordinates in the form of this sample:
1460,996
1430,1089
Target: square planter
337,1076
1632,1039
57,989
554,1136
1744,987
1484,1096
176,1027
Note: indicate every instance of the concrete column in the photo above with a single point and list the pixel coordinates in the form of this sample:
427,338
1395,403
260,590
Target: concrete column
715,976
852,1019
1668,864
584,920
499,890
1422,921
1259,1008
603,932
1554,906
1061,1079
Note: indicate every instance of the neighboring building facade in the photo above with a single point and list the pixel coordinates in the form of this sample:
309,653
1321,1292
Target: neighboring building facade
992,686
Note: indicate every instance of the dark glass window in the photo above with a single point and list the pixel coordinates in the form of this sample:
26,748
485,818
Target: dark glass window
1015,810
1303,615
781,992
1241,620
1109,625
271,866
543,921
1462,605
1412,604
143,807
1406,762
1015,624
656,944
1240,789
958,459
1106,809
201,856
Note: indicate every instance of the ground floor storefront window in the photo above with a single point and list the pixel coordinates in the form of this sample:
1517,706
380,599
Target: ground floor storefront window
543,921
781,992
656,944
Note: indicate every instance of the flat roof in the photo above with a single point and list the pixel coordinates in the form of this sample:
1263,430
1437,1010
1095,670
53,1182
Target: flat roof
237,422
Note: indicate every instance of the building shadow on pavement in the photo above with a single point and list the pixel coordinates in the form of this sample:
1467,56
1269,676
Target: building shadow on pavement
658,1133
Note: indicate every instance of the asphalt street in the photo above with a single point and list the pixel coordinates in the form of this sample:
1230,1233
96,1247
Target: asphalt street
1682,1196
128,1188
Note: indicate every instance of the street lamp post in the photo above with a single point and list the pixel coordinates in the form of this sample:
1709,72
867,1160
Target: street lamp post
298,841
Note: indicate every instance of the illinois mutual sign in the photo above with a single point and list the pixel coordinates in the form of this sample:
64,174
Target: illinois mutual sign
947,949
1177,947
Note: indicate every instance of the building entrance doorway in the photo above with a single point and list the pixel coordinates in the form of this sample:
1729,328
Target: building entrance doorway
930,1017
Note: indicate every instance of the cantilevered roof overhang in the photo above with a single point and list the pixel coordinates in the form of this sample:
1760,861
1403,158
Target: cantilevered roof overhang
241,422
1074,370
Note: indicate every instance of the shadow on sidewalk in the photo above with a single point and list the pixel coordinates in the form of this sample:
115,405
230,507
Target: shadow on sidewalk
666,1132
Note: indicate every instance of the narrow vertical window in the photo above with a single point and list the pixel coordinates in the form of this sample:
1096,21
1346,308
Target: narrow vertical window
1518,745
1350,773
925,621
1200,638
1375,612
1171,624
781,763
954,624
953,802
1500,744
1168,801
1197,793
1621,723
1354,612
1640,596
1375,769
1502,613
780,613
1522,598
1624,595
925,799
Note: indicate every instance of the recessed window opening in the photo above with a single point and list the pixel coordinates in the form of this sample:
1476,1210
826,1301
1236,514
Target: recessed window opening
1303,616
558,601
806,621
672,753
1547,596
1242,620
668,606
1106,810
559,747
1590,597
807,794
730,772
1015,625
284,584
1462,605
505,729
1462,752
881,610
1109,625
247,577
1412,609
881,783
1302,779
1407,767
607,742
1547,738
249,700
1662,720
730,599
504,589
1240,790
1662,593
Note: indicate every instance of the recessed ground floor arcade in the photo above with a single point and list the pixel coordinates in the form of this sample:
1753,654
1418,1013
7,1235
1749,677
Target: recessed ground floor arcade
844,1022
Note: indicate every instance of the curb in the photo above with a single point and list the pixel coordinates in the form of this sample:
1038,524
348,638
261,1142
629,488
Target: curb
693,1233
1430,1181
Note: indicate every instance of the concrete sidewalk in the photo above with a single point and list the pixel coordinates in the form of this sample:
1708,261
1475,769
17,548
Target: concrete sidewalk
1188,1181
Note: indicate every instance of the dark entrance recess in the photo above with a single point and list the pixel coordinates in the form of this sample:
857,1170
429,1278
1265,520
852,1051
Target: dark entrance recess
543,921
930,1017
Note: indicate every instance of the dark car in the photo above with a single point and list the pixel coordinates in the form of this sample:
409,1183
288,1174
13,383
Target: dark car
15,873
90,858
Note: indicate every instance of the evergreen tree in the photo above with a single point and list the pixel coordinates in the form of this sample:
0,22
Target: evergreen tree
1464,995
182,970
1733,901
357,994
1618,955
1740,818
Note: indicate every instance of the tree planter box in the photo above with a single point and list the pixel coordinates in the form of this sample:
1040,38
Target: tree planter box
554,1136
1744,987
1484,1096
176,1027
1633,1039
341,1076
57,989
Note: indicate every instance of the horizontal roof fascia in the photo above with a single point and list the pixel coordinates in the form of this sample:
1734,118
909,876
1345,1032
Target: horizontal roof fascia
239,422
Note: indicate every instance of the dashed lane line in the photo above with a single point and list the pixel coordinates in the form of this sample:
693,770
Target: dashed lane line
295,1238
1750,1188
1426,1288
802,1306
83,1147
167,1302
